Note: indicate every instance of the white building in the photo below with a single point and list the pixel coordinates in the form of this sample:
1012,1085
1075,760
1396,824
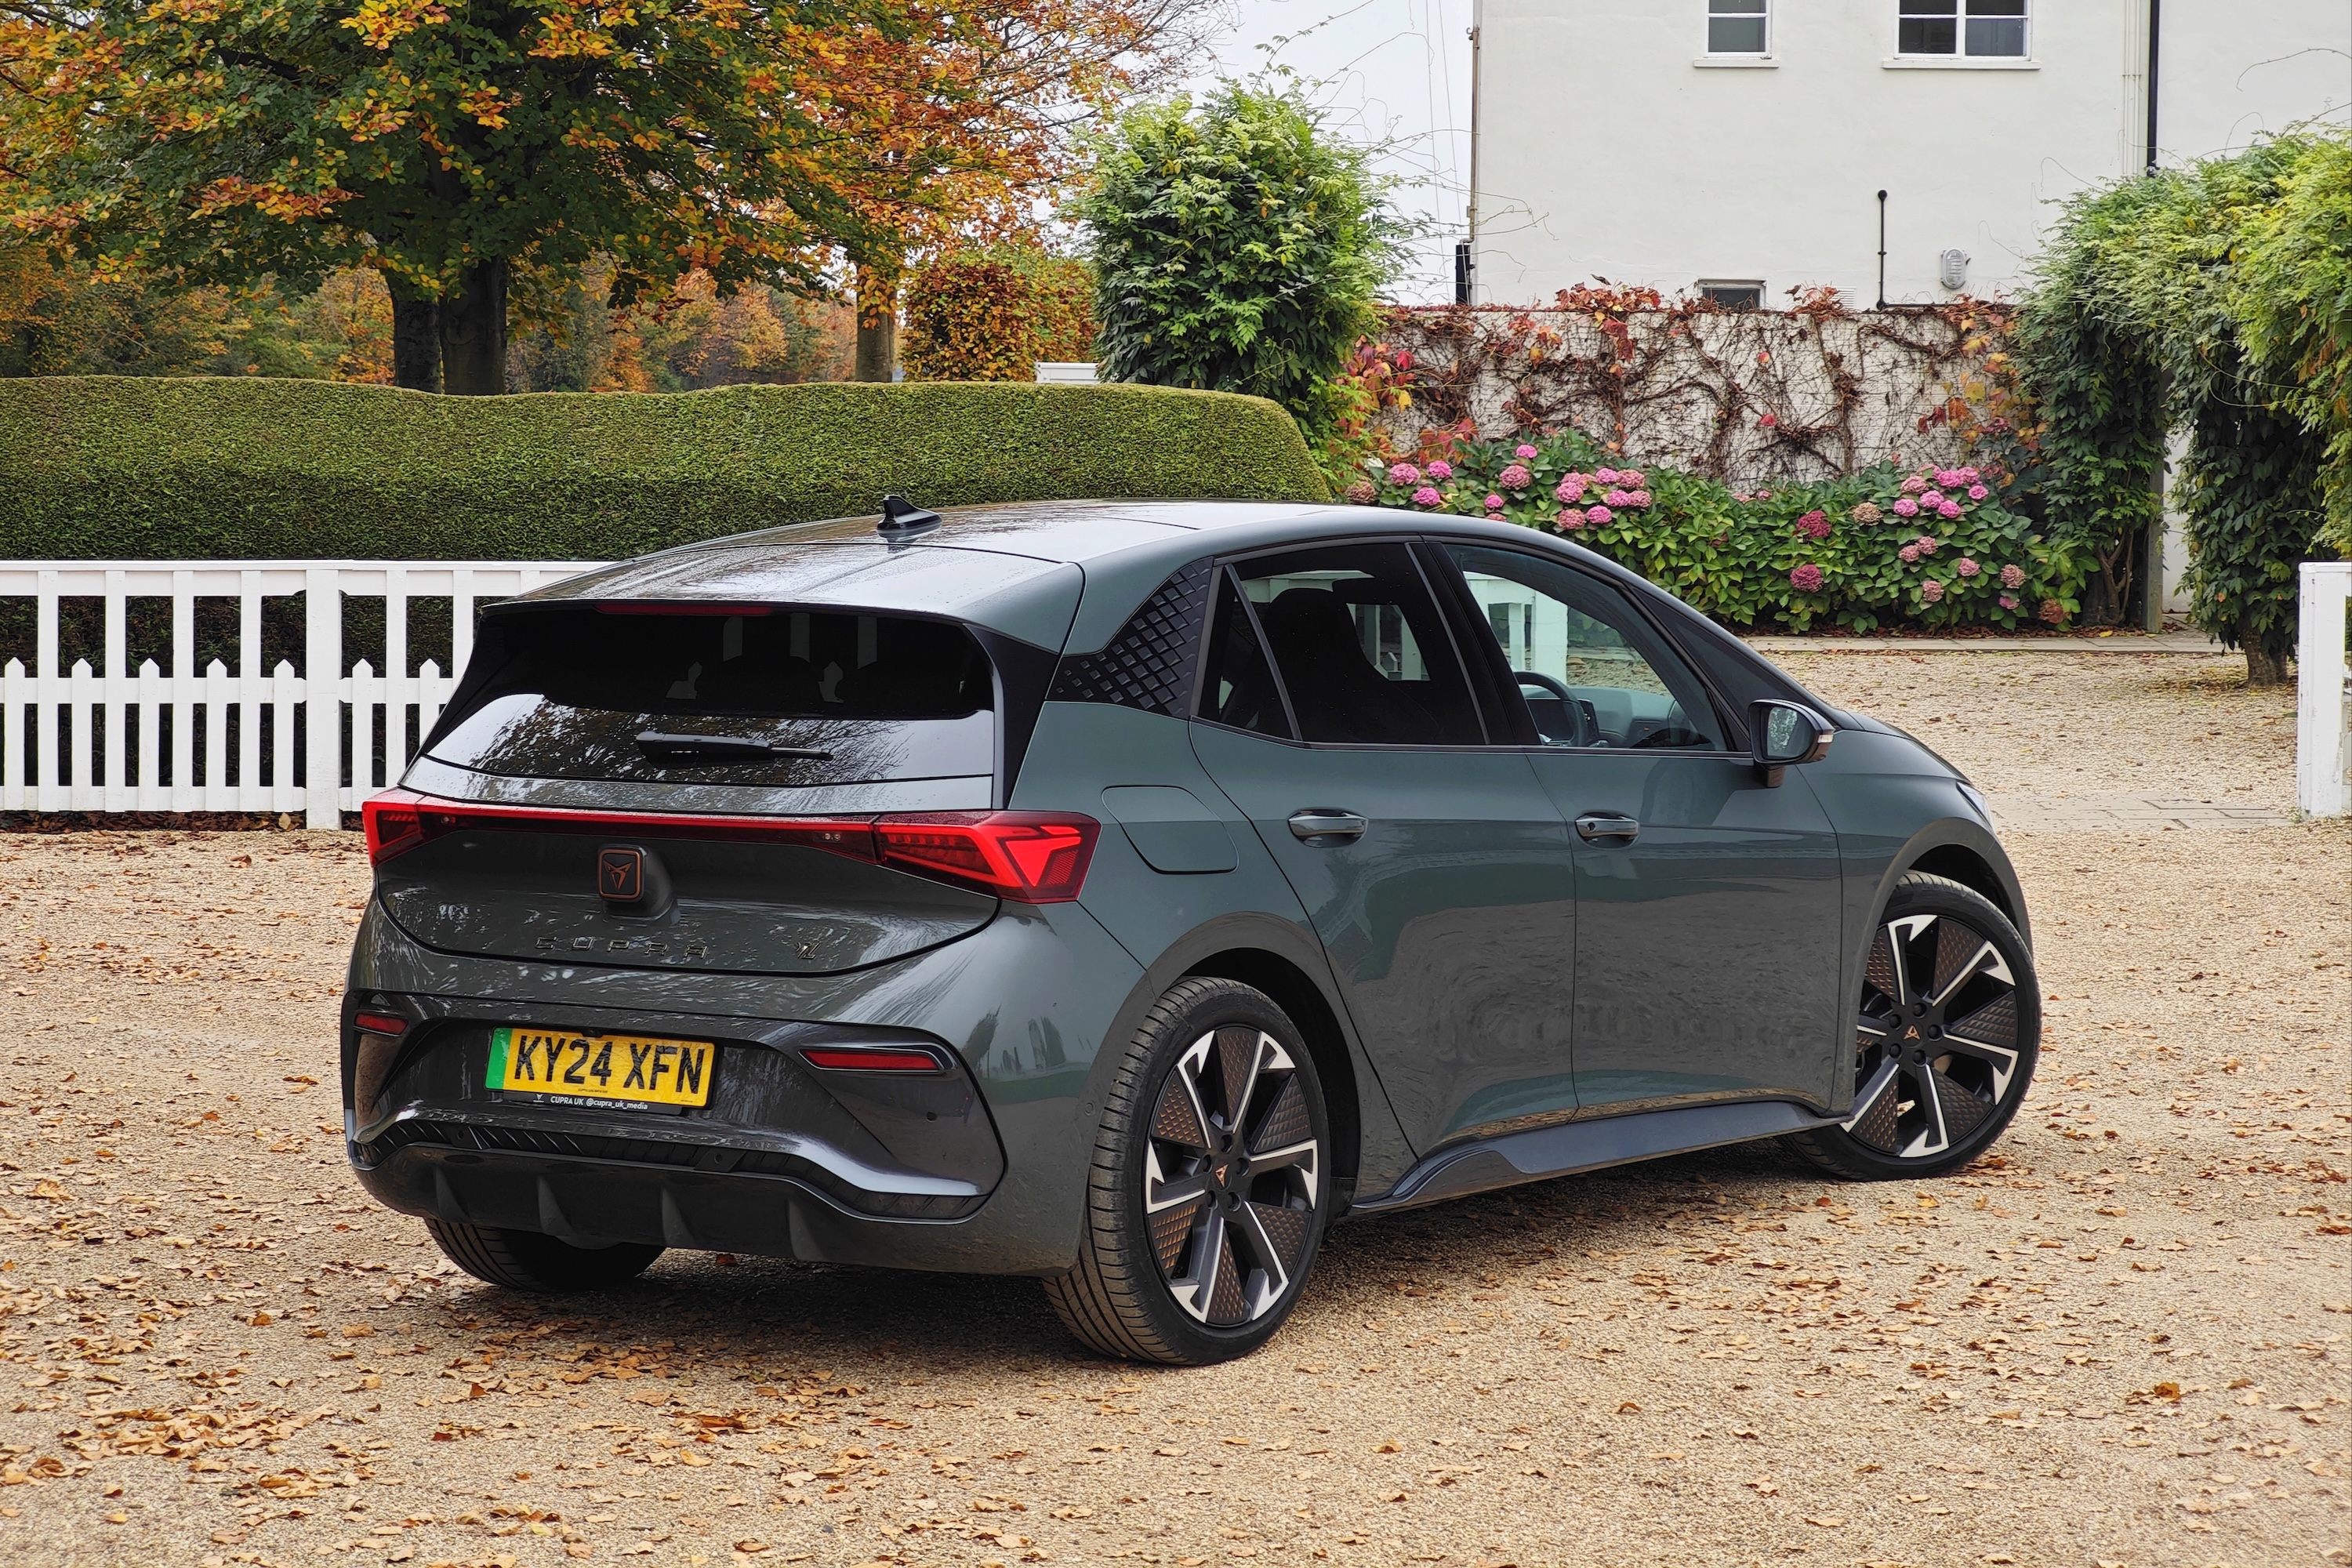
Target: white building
1743,145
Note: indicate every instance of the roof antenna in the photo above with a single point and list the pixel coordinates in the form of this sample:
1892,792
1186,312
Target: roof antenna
902,518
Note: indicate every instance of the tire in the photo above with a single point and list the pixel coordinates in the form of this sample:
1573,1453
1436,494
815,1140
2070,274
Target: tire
1203,1215
1940,1067
526,1260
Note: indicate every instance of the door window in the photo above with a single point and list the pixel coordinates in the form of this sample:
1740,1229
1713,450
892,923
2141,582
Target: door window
1590,669
1363,653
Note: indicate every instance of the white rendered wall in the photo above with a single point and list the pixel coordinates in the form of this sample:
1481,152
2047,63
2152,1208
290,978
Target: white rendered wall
1610,146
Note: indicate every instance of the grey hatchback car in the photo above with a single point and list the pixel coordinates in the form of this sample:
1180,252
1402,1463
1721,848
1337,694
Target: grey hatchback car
1120,893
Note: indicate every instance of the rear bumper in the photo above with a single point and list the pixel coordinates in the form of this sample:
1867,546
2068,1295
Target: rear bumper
981,1168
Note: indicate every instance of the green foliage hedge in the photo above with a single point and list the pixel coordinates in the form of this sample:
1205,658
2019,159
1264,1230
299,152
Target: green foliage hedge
213,468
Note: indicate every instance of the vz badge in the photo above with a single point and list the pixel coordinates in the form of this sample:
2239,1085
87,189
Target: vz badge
620,875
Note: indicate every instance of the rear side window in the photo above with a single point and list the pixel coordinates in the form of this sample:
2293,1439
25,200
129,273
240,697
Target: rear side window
745,694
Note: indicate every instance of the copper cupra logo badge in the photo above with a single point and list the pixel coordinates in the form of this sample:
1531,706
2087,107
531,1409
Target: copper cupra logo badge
620,875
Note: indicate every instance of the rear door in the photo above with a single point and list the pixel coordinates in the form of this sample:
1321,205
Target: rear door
1708,905
1335,713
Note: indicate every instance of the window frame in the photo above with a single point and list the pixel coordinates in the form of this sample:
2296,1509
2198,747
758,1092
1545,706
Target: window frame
1711,53
1441,597
1495,677
1706,289
1960,54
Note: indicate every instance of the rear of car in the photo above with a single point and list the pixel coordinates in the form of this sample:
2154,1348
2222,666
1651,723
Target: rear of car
666,911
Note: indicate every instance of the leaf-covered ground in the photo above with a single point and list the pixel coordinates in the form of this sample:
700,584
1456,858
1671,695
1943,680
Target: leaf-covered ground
2120,1339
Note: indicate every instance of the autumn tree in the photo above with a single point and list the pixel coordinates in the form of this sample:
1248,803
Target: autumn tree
479,152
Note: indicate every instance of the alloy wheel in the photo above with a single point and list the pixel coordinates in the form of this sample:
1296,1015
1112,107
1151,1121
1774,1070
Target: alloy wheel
1936,1046
1232,1177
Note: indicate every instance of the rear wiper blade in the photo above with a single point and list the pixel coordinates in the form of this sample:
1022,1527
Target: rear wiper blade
722,749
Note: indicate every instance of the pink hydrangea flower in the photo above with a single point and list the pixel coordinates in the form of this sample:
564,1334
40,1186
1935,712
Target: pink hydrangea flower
2009,601
1440,470
1631,478
1517,478
1933,498
1741,495
1571,488
1363,493
1404,474
1427,496
1524,452
1910,554
1950,479
1932,592
1571,518
1607,476
1914,484
1637,497
1967,567
1814,524
1969,476
2013,576
1951,509
1598,514
1978,492
1493,501
1763,495
1907,507
1618,497
1806,579
1927,544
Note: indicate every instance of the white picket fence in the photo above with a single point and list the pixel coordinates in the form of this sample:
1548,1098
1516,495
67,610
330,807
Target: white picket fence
85,740
2323,721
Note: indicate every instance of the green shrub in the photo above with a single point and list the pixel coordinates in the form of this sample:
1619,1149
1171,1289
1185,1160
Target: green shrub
992,315
203,467
1854,551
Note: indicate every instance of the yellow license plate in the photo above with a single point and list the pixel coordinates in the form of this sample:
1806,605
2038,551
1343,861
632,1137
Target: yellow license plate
601,1067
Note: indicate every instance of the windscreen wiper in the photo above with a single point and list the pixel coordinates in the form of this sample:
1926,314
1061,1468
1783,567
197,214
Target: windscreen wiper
664,748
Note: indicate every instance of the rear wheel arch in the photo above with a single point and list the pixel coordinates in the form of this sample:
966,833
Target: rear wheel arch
1297,994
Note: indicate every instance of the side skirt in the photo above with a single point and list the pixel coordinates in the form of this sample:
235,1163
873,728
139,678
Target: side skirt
1569,1147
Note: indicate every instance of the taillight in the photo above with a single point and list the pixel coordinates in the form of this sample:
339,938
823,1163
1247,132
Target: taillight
399,820
393,824
1036,856
382,1023
871,1058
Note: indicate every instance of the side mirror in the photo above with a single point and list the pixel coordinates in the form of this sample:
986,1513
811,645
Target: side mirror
1783,734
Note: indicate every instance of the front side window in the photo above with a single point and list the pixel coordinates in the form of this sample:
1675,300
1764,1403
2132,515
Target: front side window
1990,29
1363,656
1590,667
1736,27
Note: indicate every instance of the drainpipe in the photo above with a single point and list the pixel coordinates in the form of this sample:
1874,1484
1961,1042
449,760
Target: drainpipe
2152,596
1465,266
1882,250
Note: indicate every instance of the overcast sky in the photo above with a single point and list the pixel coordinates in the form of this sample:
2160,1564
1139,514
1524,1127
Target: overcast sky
1393,74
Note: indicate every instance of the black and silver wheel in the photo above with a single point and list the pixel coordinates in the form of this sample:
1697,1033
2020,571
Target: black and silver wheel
1946,1037
543,1265
1209,1188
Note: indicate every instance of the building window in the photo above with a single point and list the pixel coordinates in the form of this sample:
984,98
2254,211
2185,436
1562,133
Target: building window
1976,29
1733,293
1736,27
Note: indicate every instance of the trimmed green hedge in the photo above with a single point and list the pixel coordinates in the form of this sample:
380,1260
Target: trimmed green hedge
213,468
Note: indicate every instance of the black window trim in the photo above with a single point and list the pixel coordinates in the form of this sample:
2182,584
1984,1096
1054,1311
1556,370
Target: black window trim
1227,568
1736,738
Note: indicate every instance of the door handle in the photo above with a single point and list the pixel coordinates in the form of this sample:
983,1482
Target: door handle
1321,823
1597,824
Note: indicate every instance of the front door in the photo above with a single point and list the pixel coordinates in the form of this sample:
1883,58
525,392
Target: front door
1434,869
1708,905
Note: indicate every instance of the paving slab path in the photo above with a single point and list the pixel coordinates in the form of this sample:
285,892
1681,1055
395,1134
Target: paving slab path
2118,1339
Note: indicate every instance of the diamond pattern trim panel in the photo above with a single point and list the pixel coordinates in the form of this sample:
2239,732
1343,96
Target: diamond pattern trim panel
1148,665
1877,1128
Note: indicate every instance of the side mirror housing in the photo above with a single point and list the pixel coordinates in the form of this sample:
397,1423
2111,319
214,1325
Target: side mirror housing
1782,735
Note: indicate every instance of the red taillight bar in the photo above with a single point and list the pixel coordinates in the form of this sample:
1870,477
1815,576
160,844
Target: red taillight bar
872,1058
382,1023
1036,857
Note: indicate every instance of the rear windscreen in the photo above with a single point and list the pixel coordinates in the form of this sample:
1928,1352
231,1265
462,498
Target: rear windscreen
745,695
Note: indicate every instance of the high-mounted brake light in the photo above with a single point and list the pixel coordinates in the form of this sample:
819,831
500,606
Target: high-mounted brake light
1034,856
644,607
871,1058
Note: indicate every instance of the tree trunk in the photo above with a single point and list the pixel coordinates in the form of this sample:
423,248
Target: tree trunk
877,324
2108,589
474,332
2266,661
415,337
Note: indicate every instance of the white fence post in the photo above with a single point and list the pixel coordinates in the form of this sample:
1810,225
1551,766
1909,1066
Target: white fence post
2322,743
88,753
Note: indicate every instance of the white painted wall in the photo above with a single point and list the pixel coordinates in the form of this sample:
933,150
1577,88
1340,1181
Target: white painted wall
1609,146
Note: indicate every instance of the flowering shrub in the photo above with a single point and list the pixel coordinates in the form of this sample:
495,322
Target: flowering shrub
1846,552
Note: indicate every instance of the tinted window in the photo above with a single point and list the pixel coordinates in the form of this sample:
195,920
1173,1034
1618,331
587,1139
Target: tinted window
573,688
1590,666
1363,653
1240,689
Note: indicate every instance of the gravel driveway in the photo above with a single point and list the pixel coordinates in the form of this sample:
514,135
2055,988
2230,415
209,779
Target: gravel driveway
2120,1339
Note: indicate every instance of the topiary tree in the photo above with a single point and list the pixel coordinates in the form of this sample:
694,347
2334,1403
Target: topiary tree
1236,247
990,315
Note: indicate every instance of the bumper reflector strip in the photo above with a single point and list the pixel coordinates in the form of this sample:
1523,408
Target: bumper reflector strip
871,1058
